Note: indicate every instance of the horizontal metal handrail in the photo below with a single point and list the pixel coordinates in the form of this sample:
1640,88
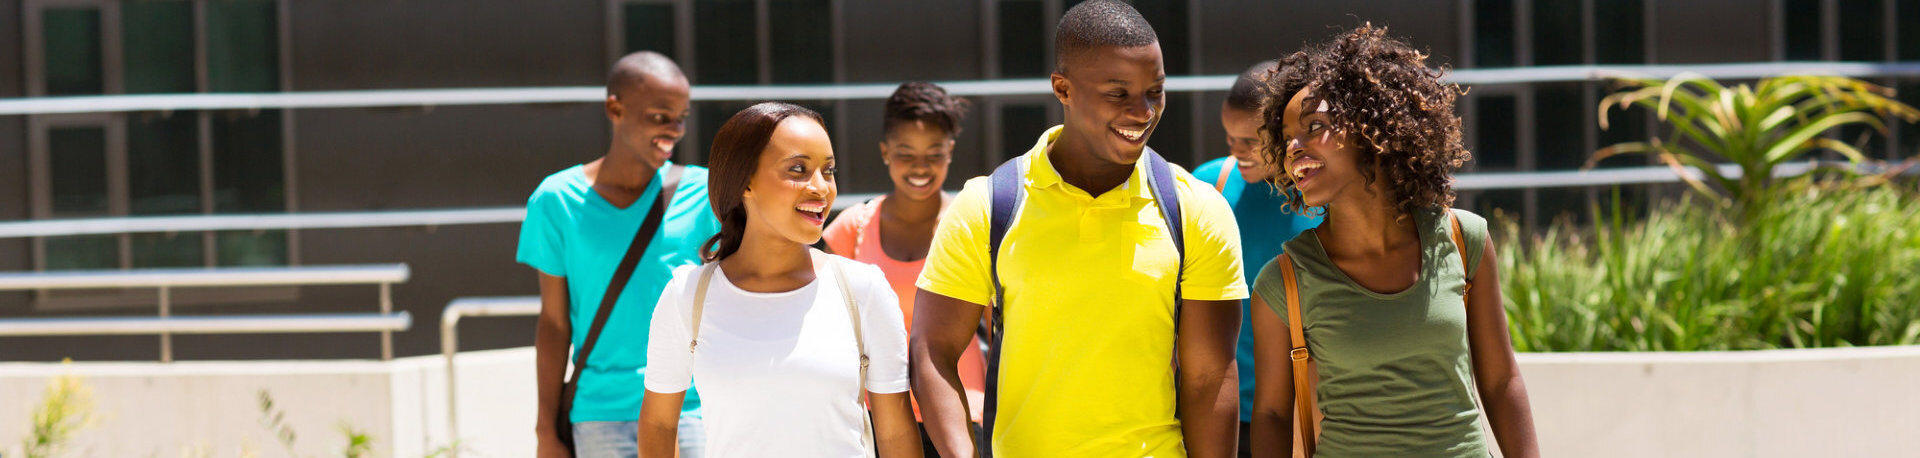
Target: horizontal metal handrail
450,335
205,277
221,324
1026,86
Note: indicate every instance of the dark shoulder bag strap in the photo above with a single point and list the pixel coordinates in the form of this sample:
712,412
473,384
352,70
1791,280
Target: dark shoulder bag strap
621,274
1009,190
1161,180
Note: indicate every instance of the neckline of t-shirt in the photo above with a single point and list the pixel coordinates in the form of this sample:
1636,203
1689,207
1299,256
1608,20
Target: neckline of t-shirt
642,203
1420,230
720,276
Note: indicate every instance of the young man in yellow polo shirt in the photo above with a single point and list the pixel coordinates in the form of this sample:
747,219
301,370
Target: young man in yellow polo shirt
1113,339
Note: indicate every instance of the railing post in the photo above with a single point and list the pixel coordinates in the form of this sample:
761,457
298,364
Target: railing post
449,347
386,308
166,337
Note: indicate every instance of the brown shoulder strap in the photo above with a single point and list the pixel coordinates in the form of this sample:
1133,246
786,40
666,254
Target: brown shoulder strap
1226,168
1303,398
1460,245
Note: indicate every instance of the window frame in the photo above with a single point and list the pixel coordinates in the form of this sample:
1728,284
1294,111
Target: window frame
119,196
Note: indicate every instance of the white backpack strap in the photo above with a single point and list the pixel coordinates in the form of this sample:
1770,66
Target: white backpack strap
859,342
700,302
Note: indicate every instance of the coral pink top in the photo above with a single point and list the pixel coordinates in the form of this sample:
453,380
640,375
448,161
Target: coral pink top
855,234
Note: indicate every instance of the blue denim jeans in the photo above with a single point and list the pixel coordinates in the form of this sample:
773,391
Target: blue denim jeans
620,439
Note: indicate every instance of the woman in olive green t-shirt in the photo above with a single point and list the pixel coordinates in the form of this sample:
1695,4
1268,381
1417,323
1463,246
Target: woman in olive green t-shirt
1364,130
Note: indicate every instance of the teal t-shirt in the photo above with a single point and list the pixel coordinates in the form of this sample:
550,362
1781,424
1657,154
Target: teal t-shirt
1265,229
572,232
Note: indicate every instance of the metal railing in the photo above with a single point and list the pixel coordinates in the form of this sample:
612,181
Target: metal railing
166,325
450,336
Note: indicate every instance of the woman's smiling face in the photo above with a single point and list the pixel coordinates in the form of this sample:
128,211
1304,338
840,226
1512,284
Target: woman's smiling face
917,154
1322,162
793,188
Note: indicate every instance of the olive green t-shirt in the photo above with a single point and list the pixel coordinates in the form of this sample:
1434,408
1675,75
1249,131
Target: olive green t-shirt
1394,371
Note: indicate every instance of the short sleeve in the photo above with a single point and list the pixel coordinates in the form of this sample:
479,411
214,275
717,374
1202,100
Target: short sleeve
957,264
1213,270
880,322
1473,232
541,243
1272,288
843,235
670,338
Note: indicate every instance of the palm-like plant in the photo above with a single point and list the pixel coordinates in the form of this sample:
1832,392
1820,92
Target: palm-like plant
1755,127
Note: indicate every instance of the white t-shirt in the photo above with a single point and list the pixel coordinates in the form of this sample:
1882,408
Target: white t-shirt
778,373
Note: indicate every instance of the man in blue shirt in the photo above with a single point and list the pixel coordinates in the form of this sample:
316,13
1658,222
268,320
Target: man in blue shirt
1242,177
580,222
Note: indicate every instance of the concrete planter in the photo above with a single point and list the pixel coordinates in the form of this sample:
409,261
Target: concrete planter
1825,402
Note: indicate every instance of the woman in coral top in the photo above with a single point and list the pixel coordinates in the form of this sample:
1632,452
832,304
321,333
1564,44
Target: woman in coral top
893,231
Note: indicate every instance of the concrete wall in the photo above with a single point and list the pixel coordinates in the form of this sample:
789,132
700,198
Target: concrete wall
1830,402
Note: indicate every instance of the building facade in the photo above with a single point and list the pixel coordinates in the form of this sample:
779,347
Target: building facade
320,160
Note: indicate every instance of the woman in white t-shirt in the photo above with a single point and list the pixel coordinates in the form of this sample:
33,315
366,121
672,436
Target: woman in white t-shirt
774,332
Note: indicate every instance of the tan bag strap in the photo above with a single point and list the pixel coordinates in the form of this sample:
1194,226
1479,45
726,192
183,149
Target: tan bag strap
700,302
1303,398
1226,168
1460,245
859,341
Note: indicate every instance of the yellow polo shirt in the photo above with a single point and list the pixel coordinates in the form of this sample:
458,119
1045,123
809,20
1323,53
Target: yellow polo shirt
1086,363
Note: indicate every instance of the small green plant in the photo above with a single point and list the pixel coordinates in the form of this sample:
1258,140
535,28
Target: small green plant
66,409
359,443
1756,127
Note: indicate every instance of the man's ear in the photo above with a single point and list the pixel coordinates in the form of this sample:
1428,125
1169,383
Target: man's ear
1061,90
614,110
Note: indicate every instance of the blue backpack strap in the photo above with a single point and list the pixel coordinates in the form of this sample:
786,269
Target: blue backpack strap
1009,191
1160,178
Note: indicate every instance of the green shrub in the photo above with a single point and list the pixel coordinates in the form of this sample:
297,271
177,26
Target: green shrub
1822,264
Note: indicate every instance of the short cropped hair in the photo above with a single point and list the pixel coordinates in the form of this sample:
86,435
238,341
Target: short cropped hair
1251,86
925,102
632,69
1098,23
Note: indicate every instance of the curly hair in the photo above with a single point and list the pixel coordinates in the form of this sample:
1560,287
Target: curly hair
927,102
1380,91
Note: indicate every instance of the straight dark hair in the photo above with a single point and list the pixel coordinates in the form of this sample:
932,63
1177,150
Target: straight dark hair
731,163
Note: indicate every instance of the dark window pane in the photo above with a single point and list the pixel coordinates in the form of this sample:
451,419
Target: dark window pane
262,248
802,41
1169,20
78,160
71,44
1908,26
158,39
163,163
1023,39
724,42
1862,33
243,46
1493,33
247,163
1020,128
1619,31
712,115
1557,204
1173,137
1909,132
167,250
1559,126
1802,29
650,27
1628,125
83,252
1494,138
1556,33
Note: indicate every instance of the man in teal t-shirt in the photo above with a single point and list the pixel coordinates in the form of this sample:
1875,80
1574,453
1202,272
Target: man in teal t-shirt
1265,227
579,224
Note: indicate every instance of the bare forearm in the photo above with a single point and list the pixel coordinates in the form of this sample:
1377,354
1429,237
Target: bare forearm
943,407
1209,408
1511,416
1272,435
659,440
550,364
